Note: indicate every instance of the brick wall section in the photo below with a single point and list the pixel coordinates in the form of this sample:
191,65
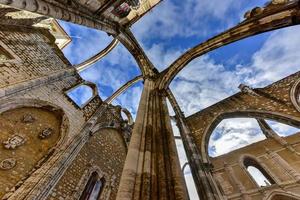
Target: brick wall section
38,53
105,150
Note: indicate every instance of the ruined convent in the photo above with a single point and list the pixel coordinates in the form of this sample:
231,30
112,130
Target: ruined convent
54,149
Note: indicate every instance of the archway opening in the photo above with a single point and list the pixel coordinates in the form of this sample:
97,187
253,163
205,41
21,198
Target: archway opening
81,95
232,134
258,173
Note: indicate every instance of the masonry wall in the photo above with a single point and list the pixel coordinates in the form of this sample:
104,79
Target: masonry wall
236,183
106,152
38,76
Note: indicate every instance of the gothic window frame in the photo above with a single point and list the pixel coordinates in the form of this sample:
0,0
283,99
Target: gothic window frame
105,191
93,180
91,85
261,167
13,58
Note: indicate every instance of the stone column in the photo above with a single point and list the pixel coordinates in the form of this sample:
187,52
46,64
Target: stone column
204,182
152,169
284,165
235,180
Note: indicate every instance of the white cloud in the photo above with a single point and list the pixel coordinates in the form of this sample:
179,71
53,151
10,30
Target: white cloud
282,129
278,57
233,134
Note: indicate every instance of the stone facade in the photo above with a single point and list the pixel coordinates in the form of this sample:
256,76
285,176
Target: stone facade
45,136
94,139
281,165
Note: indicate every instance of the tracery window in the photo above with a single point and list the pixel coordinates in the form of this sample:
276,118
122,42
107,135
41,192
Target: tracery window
258,173
93,188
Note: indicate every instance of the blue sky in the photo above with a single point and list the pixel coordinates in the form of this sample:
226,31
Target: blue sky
175,26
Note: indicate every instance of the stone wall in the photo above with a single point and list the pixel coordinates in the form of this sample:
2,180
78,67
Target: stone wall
105,152
272,102
38,77
281,164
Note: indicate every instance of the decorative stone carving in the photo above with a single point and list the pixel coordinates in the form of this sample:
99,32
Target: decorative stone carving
8,163
27,118
46,133
247,90
14,141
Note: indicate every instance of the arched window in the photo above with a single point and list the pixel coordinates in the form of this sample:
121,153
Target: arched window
81,95
93,188
258,173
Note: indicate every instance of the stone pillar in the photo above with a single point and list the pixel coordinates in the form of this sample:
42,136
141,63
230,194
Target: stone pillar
235,181
270,133
283,164
204,181
152,169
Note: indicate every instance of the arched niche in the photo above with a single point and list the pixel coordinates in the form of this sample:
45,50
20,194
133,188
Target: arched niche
81,94
295,95
280,117
31,130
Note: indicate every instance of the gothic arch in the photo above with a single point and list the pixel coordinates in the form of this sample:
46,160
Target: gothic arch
281,195
129,116
89,84
275,116
41,162
295,95
85,178
247,160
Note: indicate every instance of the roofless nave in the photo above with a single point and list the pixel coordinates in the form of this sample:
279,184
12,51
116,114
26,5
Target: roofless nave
55,149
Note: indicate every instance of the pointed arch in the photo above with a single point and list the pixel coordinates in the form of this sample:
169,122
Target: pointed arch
282,118
248,160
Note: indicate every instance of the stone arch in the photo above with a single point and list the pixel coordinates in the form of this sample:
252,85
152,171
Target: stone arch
275,116
129,116
281,195
295,95
34,139
89,84
247,160
85,178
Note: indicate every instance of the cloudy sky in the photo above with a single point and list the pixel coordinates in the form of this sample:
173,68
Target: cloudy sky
169,30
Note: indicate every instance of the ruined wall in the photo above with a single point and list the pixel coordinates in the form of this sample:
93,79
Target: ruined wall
105,151
272,102
37,77
281,164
